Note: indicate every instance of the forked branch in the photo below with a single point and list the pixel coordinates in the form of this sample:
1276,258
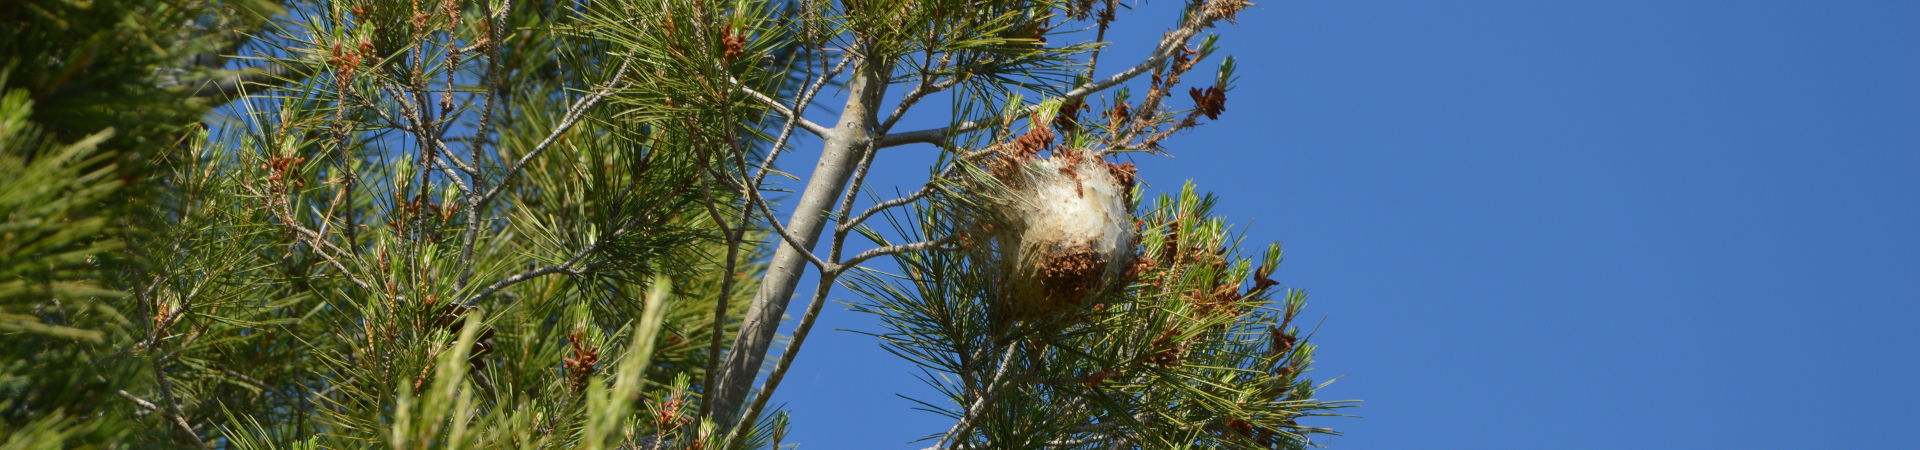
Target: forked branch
572,117
1172,44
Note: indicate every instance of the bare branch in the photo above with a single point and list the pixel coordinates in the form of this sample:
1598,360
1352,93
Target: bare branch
1173,43
1109,425
448,170
735,236
791,240
461,164
860,171
920,90
934,244
417,125
829,272
786,131
570,266
143,403
852,135
243,378
1105,19
792,116
566,268
924,191
490,81
750,195
174,419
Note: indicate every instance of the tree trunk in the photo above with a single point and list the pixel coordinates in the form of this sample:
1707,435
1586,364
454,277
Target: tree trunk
840,153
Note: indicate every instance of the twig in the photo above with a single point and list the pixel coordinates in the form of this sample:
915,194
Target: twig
790,239
173,405
920,90
860,171
1173,43
143,403
250,381
314,240
418,126
567,267
786,131
489,80
1108,425
934,244
524,276
924,191
965,425
1105,20
792,116
567,121
846,206
570,266
735,235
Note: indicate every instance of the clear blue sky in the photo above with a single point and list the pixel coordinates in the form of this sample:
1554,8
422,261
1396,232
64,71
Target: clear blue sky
1545,224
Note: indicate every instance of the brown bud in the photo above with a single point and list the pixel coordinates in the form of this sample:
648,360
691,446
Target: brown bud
1210,102
735,42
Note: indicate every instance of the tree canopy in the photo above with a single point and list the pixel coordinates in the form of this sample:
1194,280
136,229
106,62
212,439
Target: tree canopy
513,223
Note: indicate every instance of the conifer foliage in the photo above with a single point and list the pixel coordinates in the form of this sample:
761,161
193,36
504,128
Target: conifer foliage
534,224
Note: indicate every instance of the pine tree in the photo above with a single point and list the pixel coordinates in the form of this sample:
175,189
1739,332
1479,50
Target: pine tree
513,223
94,96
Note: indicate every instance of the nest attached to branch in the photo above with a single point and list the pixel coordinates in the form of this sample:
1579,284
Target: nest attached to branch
1061,229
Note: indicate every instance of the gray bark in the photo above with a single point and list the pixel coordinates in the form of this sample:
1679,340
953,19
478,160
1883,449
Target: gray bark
840,153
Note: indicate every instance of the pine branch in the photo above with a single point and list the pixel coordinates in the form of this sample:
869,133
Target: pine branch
957,434
573,115
927,245
571,267
1173,43
924,191
173,404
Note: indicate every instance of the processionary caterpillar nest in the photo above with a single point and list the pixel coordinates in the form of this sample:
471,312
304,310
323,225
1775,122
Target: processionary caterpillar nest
1063,230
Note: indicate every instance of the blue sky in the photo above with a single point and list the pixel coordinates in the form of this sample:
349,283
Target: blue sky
1534,224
